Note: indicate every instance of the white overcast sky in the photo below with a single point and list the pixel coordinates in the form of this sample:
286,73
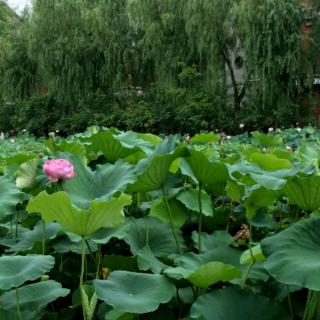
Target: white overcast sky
18,4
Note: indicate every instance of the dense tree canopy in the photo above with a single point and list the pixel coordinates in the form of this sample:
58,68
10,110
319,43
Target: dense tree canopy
244,55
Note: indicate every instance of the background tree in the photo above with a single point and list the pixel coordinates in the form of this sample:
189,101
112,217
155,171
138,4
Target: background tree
187,64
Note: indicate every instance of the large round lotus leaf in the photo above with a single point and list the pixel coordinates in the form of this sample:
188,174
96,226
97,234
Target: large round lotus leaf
153,139
101,184
213,272
190,198
34,296
267,181
134,292
73,147
258,198
253,255
270,162
15,270
152,172
26,175
233,303
205,171
160,238
293,254
145,142
110,146
304,192
234,190
228,265
65,146
219,238
204,138
160,211
29,238
10,196
147,261
83,222
266,140
13,315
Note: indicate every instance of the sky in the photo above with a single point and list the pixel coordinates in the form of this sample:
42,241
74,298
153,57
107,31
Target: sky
18,4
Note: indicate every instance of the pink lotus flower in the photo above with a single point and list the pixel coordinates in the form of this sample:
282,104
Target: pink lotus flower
58,169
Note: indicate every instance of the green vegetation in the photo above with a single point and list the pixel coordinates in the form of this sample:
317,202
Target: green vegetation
176,221
202,227
158,66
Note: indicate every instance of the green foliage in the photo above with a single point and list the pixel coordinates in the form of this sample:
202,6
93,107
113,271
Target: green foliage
83,222
296,246
33,299
224,303
133,213
10,196
142,293
170,66
16,270
37,115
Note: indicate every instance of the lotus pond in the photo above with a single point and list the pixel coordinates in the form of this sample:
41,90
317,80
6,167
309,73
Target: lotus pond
148,227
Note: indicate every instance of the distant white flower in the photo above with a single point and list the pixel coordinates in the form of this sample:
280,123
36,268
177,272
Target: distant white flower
57,131
270,129
12,140
241,125
299,129
288,148
24,130
228,137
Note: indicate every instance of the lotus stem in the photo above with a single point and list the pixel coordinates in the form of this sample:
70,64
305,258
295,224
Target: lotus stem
147,232
171,223
247,274
290,303
250,240
98,272
18,304
91,253
306,315
313,305
200,218
138,199
11,228
252,257
17,224
83,254
43,237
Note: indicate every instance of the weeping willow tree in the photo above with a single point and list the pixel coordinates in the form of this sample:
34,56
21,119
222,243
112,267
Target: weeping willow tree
16,69
160,34
212,37
5,22
271,38
21,76
179,34
309,65
244,52
213,34
80,46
